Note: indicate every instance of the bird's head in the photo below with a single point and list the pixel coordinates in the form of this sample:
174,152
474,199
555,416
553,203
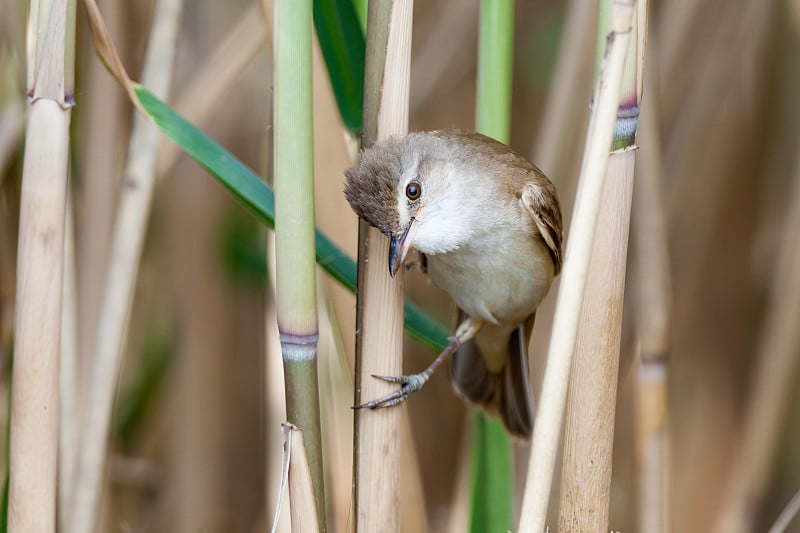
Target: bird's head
403,187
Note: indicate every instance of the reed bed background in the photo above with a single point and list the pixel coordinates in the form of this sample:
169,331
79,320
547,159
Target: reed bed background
709,346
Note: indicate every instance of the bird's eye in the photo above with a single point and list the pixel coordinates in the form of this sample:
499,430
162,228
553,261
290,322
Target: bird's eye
413,190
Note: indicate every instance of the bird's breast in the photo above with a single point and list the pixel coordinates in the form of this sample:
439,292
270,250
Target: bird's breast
501,278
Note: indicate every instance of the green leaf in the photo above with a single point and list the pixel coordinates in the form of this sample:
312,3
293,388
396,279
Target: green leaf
258,197
492,477
341,39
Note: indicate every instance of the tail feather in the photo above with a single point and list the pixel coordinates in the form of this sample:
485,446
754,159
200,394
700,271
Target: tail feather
471,377
505,393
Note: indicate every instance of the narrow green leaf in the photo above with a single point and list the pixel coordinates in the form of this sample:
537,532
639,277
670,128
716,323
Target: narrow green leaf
341,39
257,196
492,493
361,11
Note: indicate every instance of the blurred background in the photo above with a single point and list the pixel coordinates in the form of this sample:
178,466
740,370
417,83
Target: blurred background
195,435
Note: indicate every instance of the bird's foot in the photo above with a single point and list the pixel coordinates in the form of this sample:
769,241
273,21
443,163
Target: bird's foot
408,384
414,382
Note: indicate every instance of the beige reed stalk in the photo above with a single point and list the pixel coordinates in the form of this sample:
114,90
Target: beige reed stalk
275,401
588,440
301,489
552,403
129,231
101,130
589,432
33,454
377,434
69,393
332,153
777,359
652,320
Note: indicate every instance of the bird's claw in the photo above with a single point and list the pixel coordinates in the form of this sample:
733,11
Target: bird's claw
408,384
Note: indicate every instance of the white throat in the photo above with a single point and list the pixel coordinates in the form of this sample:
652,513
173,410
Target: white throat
449,216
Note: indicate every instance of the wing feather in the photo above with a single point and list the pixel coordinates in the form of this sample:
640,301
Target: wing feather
543,207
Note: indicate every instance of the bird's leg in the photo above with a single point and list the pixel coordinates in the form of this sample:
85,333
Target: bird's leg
414,382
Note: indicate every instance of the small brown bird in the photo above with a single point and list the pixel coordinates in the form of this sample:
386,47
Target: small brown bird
489,225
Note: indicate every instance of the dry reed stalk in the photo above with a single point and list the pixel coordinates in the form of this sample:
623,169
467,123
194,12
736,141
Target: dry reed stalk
332,154
301,488
377,434
653,321
710,342
778,355
69,415
34,402
547,429
336,393
589,431
209,87
33,454
412,493
129,231
103,135
275,401
560,112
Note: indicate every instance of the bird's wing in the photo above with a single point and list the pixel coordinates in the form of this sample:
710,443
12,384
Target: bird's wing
543,207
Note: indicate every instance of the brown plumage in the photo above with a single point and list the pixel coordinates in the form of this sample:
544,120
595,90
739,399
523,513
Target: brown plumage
489,224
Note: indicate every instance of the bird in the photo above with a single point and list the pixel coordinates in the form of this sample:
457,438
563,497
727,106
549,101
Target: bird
487,225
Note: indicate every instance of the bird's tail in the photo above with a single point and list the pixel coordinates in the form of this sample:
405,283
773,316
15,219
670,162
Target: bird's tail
506,392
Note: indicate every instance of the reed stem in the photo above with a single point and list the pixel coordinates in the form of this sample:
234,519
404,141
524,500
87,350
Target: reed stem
492,464
379,309
553,399
296,292
33,453
126,249
589,432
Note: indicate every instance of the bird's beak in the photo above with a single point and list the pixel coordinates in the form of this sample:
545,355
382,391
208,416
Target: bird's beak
398,247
